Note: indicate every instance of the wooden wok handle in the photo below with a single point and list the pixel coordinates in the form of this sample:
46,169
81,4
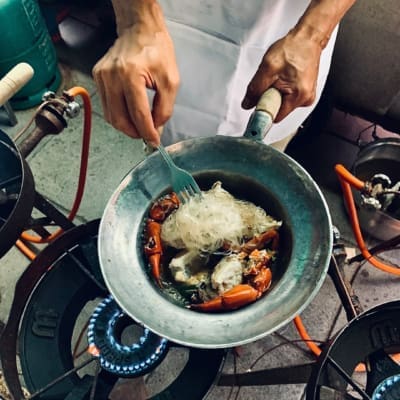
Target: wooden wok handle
14,80
264,114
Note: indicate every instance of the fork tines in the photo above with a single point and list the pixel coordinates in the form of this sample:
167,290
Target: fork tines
188,191
183,182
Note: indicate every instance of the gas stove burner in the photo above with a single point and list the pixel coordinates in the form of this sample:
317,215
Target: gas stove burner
369,338
50,305
16,193
389,389
104,337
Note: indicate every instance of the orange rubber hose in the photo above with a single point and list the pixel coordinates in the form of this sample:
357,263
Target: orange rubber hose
317,351
315,348
305,336
346,179
87,128
344,174
25,249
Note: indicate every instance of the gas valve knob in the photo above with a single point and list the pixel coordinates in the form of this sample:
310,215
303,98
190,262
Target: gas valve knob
370,203
73,109
49,95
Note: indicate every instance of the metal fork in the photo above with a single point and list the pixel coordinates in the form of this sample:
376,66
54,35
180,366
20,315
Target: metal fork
183,183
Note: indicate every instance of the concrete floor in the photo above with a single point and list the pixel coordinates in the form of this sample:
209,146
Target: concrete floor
55,165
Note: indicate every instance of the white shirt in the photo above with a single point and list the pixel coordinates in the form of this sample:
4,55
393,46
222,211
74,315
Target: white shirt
219,45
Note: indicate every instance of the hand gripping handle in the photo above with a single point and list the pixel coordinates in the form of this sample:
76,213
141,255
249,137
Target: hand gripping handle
264,114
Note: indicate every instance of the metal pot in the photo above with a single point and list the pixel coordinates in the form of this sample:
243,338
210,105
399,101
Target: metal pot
379,157
250,170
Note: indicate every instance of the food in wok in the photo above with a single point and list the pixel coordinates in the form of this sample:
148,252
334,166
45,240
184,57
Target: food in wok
213,253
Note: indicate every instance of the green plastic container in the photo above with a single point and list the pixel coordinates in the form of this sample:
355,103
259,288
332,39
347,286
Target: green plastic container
24,38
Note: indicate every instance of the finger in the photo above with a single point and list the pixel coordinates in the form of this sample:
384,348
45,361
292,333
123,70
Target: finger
114,105
287,106
164,99
100,87
119,116
260,82
139,111
163,105
292,98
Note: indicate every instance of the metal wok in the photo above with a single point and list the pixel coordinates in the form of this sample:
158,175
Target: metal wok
250,170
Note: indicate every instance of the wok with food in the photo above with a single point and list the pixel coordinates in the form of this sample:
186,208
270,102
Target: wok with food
214,252
293,212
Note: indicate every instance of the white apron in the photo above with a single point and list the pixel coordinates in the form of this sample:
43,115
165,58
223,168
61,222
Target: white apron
219,45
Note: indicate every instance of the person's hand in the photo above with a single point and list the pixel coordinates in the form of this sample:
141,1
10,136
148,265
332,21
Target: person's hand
291,66
142,57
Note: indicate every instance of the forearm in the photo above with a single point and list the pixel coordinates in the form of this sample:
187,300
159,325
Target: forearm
131,12
320,19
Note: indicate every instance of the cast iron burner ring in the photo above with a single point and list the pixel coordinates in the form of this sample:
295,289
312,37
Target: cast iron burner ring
389,389
104,332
